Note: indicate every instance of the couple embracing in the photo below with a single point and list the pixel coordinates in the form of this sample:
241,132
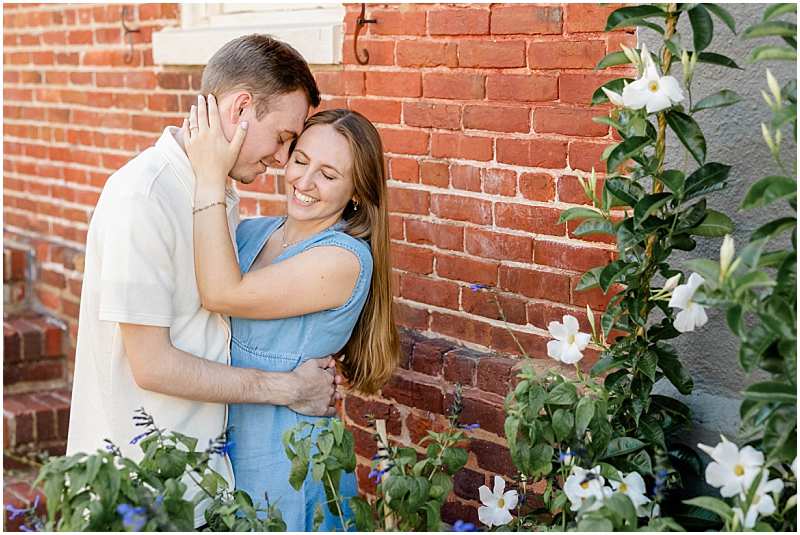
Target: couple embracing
206,322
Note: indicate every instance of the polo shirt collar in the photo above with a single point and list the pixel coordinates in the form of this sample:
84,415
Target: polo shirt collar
179,162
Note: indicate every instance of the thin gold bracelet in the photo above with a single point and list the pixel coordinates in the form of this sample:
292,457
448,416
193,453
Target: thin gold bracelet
223,203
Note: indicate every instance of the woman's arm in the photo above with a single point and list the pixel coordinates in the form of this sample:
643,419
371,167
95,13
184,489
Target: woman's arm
318,279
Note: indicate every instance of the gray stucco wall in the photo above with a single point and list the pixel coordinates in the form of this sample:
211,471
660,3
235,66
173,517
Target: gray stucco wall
733,136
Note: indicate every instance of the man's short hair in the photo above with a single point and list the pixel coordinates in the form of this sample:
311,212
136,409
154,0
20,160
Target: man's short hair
261,65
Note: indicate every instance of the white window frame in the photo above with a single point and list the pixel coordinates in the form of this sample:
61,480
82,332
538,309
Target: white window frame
315,30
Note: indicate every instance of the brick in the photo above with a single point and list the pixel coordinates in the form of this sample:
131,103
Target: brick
537,186
466,269
525,19
403,141
447,145
549,153
364,443
411,317
340,82
500,182
466,483
397,22
565,54
409,201
30,337
593,238
432,292
522,87
491,54
435,174
394,84
586,17
461,328
497,118
541,314
453,86
453,511
585,155
461,208
616,39
494,375
568,121
428,356
535,283
536,219
414,394
578,88
11,345
404,170
497,246
443,236
413,259
470,20
486,304
356,408
380,52
377,110
425,54
561,255
594,297
490,415
459,366
432,115
466,177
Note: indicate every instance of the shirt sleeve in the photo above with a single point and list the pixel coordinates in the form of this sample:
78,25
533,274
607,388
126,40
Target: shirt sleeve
138,274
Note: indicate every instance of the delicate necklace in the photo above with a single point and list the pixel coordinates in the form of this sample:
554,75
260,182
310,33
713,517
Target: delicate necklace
285,245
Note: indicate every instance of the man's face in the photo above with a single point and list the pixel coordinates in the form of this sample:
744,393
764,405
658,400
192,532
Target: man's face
268,139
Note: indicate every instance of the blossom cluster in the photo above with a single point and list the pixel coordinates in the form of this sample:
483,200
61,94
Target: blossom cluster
583,484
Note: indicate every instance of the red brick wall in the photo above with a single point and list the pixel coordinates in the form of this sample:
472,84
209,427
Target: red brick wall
483,110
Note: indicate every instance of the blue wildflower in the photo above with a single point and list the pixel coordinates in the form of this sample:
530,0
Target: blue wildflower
476,287
14,511
140,437
225,449
36,501
377,474
471,427
159,499
460,525
132,516
26,528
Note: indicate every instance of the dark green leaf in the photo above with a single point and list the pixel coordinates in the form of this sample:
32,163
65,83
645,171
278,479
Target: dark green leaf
623,151
562,394
363,514
772,392
715,224
172,463
623,445
673,370
455,459
628,16
652,431
433,517
599,96
648,363
692,215
779,9
563,423
674,180
717,59
758,339
783,116
714,505
688,133
584,413
781,427
612,272
594,226
625,190
612,60
590,279
780,317
649,204
734,316
770,28
298,472
578,212
747,281
723,15
765,53
702,27
607,363
773,228
779,187
720,99
686,455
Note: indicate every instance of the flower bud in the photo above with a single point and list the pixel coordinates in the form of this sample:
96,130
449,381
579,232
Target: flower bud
725,254
775,88
768,100
672,282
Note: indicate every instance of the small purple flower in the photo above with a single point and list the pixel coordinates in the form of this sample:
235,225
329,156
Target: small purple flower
460,525
471,427
14,511
159,499
377,474
225,449
132,516
138,438
26,528
476,287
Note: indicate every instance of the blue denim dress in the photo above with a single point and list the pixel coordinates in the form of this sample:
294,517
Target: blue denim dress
279,345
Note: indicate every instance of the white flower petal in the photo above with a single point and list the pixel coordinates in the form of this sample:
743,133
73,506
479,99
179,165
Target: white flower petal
556,349
751,457
485,516
684,322
672,282
557,331
499,487
658,101
500,516
635,95
671,88
698,313
614,97
695,281
487,498
582,340
680,296
571,324
510,499
571,355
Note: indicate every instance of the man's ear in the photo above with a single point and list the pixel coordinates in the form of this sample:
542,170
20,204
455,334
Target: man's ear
241,101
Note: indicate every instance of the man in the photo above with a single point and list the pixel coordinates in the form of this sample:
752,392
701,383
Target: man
144,339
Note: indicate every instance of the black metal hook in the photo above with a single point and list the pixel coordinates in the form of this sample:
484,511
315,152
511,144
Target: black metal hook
360,22
129,54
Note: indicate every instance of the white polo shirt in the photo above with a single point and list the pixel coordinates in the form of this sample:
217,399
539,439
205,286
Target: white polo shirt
140,270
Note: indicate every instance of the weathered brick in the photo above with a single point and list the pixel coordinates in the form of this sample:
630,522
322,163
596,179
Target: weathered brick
466,483
461,328
466,269
459,366
429,356
467,20
433,292
565,54
525,19
491,54
441,235
497,246
483,304
522,87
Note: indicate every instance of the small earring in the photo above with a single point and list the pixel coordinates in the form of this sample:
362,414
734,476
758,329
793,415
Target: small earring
355,206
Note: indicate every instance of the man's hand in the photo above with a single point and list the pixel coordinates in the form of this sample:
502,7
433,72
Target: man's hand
316,381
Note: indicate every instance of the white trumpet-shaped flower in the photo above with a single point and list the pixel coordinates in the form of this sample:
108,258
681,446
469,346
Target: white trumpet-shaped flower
732,470
569,342
614,97
726,255
585,483
763,503
672,283
651,91
633,487
495,510
692,315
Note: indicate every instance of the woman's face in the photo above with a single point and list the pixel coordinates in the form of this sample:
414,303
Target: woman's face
319,178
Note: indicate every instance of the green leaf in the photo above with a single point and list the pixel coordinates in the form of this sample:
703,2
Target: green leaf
688,133
594,226
562,394
363,514
781,428
631,146
325,443
714,505
171,463
590,279
625,190
716,224
578,212
672,368
773,228
716,59
612,60
769,189
599,96
628,16
772,392
298,472
747,281
455,459
652,431
607,363
734,317
649,204
756,342
433,517
623,445
648,363
584,413
623,506
783,116
706,179
720,99
612,272
687,456
419,488
563,423
595,524
769,52
770,28
779,9
674,180
723,15
702,27
675,408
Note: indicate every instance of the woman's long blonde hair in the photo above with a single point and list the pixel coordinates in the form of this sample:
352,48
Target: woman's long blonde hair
372,353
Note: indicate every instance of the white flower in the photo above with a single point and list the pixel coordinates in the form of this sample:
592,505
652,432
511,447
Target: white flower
651,90
794,467
568,342
671,283
763,504
732,470
496,505
584,483
692,315
726,255
633,487
614,97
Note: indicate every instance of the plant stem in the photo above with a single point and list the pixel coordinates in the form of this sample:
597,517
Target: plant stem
336,497
580,375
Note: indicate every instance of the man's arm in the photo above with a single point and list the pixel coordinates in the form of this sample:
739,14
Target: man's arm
158,366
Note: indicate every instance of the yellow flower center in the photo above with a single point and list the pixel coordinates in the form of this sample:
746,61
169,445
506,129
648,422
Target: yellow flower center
571,339
756,499
501,502
738,470
653,86
623,487
585,485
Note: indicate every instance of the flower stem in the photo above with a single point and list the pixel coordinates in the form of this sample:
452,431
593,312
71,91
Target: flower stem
336,497
580,375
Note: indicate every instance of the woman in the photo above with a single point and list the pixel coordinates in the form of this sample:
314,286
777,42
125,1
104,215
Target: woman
314,283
